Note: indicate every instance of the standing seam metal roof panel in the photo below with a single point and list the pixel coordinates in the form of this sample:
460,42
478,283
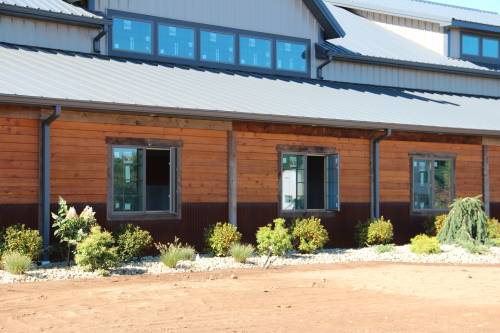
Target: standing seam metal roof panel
423,10
42,77
54,6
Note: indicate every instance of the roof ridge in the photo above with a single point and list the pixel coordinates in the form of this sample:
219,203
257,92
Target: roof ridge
457,7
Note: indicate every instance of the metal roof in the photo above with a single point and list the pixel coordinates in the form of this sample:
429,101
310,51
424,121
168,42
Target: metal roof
366,38
53,6
38,77
422,10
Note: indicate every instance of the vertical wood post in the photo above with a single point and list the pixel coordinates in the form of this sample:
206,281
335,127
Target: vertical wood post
486,180
232,178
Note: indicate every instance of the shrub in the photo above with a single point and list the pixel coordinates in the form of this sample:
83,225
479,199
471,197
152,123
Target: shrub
15,262
24,241
466,222
241,252
379,232
97,251
383,248
423,244
220,237
132,242
361,233
277,239
2,242
475,248
174,252
439,222
493,227
309,235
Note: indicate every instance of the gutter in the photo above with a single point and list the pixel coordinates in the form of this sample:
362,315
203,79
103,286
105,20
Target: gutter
319,70
415,65
45,180
137,109
375,173
37,14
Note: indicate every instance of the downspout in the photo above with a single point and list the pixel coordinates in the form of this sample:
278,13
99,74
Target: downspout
96,42
319,70
375,173
45,180
486,180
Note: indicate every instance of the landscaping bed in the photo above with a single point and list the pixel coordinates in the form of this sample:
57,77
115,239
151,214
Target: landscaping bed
153,266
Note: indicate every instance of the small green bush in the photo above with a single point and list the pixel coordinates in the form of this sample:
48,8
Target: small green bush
97,251
174,252
493,227
475,248
423,244
132,242
379,232
383,248
16,263
278,239
241,252
22,240
220,237
309,235
439,223
361,233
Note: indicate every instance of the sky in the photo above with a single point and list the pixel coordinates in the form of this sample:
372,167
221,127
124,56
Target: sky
491,5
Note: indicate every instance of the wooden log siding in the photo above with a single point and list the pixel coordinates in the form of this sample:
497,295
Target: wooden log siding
257,160
19,143
79,160
395,168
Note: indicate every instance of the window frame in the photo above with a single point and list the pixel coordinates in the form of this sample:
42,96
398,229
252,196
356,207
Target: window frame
432,157
480,58
175,176
197,62
111,48
306,151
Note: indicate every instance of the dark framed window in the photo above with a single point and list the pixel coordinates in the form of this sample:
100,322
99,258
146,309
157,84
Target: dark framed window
480,48
132,35
433,182
143,180
175,41
159,39
309,181
256,52
291,56
217,47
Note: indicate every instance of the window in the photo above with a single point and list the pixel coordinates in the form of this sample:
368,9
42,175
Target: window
432,184
255,52
131,35
217,47
167,40
291,56
470,45
175,42
143,180
490,48
309,182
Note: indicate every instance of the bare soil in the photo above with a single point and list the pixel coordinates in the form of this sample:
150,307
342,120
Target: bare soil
376,297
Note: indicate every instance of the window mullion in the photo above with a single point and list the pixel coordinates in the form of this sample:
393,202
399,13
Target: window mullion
432,184
305,181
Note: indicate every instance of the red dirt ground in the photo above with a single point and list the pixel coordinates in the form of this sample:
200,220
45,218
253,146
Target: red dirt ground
322,298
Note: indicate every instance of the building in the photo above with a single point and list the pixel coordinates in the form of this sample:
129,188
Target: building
176,114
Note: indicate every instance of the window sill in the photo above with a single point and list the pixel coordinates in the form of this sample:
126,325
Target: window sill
429,212
143,216
308,213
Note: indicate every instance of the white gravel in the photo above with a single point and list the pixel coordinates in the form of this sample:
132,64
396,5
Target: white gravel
151,265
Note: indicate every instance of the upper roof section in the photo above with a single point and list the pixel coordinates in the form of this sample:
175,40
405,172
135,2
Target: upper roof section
423,10
53,6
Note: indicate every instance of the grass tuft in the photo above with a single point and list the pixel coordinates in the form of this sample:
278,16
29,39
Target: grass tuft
241,252
16,263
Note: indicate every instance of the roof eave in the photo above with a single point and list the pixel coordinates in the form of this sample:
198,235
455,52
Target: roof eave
474,26
232,115
325,18
409,64
92,22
